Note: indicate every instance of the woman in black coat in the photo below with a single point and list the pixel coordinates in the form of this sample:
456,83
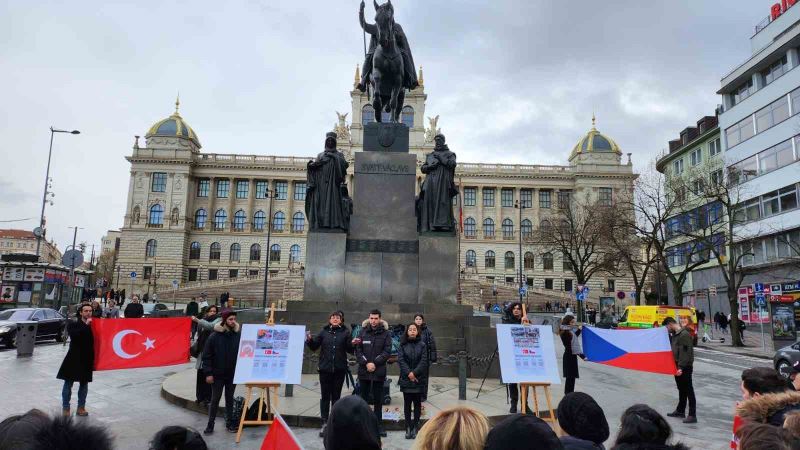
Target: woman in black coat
413,360
79,362
427,337
572,350
335,341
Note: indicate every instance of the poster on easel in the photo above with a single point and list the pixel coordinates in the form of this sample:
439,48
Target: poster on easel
527,354
270,354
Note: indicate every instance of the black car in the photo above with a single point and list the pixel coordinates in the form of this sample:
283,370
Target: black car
51,324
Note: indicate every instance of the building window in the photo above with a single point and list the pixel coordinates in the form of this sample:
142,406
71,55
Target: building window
488,228
508,229
567,285
220,217
470,193
716,177
299,190
298,222
194,250
528,261
677,167
775,70
367,114
242,188
714,147
236,252
214,252
192,274
278,221
471,258
233,273
281,190
156,214
255,252
259,220
744,170
544,199
548,283
159,183
261,189
526,228
203,187
150,249
605,196
507,198
566,264
547,261
775,157
148,272
509,260
223,187
212,274
774,113
294,253
696,156
238,220
563,199
611,286
526,198
743,91
200,218
407,116
275,253
740,131
469,227
488,196
488,259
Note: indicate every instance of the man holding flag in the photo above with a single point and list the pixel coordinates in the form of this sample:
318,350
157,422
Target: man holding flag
683,352
79,362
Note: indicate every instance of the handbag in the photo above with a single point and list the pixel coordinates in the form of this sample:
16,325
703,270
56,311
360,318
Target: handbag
194,350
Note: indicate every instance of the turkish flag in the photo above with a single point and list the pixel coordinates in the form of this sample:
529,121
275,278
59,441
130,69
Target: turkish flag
131,343
280,437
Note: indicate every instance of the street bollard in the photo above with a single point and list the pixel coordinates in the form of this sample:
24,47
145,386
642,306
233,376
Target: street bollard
26,338
288,390
462,375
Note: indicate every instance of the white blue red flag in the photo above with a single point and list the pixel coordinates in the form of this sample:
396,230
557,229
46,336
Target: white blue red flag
647,350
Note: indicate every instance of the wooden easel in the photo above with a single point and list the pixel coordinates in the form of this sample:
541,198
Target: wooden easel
523,389
267,388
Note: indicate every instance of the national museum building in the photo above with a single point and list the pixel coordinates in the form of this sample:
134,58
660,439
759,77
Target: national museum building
194,216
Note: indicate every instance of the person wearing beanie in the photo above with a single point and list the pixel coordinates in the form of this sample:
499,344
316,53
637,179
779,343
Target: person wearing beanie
522,432
583,421
219,366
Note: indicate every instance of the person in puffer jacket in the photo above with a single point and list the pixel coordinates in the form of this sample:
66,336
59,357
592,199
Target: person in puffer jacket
569,334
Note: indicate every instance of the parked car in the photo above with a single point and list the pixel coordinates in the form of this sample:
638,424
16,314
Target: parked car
785,357
51,324
150,307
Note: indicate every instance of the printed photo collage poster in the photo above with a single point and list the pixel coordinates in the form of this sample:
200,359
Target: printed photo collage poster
527,354
270,354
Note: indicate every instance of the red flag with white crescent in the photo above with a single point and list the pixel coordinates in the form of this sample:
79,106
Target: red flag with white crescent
131,343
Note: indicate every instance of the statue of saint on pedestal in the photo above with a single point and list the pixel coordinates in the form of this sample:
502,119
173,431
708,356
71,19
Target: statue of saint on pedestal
327,202
435,203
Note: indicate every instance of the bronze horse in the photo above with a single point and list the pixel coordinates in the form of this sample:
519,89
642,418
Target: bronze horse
388,67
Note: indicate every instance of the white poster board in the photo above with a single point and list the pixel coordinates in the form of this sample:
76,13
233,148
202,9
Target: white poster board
270,354
527,354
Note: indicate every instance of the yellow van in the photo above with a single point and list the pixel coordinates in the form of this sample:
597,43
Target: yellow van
646,316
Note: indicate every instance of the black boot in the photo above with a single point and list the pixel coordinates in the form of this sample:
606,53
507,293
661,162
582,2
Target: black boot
409,434
209,428
415,429
513,409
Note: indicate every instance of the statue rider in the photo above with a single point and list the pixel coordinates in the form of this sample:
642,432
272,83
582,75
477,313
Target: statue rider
410,77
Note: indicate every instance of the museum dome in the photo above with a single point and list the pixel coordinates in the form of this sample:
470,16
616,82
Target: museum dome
173,126
595,142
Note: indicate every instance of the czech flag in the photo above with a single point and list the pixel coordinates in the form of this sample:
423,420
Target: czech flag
647,350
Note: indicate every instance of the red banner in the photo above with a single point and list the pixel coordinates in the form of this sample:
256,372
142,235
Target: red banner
280,437
131,343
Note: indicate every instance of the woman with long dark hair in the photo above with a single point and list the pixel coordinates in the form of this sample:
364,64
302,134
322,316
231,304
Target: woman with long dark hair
430,343
205,327
513,315
572,350
413,360
641,424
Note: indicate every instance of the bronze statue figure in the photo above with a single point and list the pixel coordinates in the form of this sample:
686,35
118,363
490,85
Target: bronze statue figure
328,205
388,66
435,203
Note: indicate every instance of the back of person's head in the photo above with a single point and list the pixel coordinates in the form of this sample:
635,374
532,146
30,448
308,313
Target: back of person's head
581,417
35,430
791,423
19,431
458,428
763,380
351,426
762,436
522,432
641,424
177,438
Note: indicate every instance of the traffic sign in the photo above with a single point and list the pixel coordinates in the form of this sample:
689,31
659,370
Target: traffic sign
72,258
133,274
523,290
758,287
761,301
580,296
174,284
496,308
633,295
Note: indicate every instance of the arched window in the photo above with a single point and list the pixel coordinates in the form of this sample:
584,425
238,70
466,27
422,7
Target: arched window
275,253
259,220
547,261
220,217
508,229
471,258
294,253
200,218
156,215
279,221
213,253
194,250
255,252
469,227
367,114
407,116
509,260
488,228
298,222
488,259
150,249
528,261
238,220
526,228
236,252
545,224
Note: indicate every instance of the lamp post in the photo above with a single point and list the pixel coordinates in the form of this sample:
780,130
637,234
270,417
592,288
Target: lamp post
270,196
520,206
72,267
53,131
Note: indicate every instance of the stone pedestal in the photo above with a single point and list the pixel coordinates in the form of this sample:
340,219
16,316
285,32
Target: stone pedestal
438,268
324,270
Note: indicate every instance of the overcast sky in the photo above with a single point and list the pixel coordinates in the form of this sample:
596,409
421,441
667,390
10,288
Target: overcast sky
513,82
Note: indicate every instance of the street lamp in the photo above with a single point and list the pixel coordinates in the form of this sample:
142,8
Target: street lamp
520,206
40,232
270,195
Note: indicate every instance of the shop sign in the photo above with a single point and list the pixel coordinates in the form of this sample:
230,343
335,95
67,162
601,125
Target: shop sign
779,8
790,287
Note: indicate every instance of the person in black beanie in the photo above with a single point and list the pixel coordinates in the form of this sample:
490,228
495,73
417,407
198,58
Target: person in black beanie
583,421
522,432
